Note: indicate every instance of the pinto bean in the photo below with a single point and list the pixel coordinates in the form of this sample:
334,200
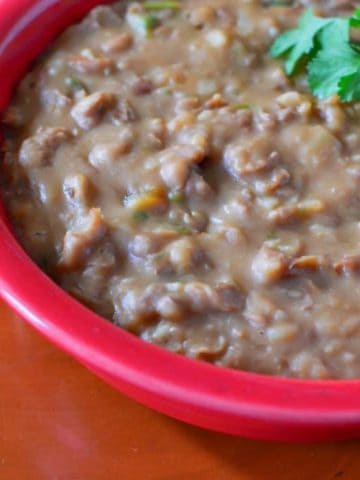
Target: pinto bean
78,190
185,255
146,244
81,239
172,301
38,150
269,266
103,155
350,264
88,112
118,43
197,187
142,87
175,174
90,64
256,157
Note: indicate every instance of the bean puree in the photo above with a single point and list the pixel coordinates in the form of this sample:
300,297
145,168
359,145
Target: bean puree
160,166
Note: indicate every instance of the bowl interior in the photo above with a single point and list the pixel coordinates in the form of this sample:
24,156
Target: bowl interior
218,398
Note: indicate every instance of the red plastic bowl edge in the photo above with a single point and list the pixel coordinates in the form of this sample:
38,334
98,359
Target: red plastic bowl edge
228,401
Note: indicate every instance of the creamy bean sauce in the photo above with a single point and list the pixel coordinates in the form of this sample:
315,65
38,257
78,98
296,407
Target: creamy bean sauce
164,171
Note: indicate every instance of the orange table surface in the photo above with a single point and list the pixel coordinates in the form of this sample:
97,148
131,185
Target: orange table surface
59,422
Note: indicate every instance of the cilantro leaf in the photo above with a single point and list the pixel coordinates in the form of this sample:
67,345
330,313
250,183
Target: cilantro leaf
284,43
336,33
333,62
349,87
299,42
328,68
355,19
332,56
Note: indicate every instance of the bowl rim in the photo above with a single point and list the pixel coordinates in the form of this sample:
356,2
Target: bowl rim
189,384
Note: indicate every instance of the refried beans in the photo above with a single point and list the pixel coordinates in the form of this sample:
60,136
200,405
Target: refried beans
162,168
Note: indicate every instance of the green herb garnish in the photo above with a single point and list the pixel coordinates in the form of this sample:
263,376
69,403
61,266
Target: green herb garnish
143,24
324,45
182,230
273,235
240,106
177,196
300,42
172,5
75,84
140,216
355,19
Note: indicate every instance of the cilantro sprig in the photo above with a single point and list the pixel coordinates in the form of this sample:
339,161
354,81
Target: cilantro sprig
325,47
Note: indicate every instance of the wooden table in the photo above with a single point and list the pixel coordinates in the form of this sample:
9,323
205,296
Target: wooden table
59,422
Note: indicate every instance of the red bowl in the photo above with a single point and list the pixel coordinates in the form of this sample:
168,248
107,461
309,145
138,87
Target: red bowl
216,398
